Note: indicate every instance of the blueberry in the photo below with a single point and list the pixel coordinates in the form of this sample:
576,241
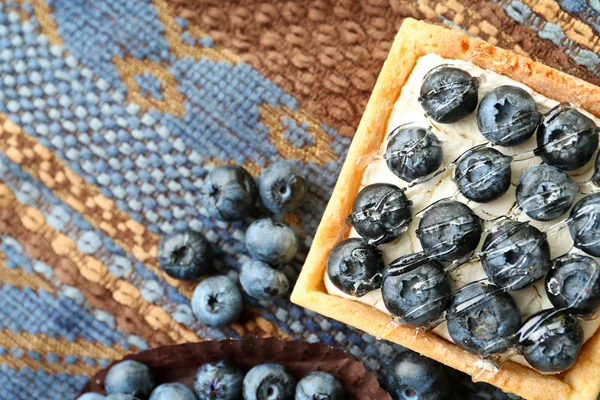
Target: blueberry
271,242
416,289
355,267
413,153
545,192
91,396
282,187
596,175
483,319
448,94
551,340
574,283
230,193
185,255
381,213
566,138
129,377
449,231
515,254
269,382
320,386
585,224
217,301
508,116
172,391
261,281
483,174
411,376
121,396
218,380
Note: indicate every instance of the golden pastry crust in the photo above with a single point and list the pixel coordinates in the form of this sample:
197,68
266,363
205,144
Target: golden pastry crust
416,39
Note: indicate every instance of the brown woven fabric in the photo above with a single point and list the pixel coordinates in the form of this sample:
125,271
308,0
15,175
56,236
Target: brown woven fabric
328,53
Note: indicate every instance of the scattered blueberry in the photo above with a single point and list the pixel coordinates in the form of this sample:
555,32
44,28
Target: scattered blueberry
483,319
355,267
219,380
271,242
320,386
230,193
585,224
261,281
282,187
574,283
413,153
91,396
448,94
129,377
551,340
381,213
449,231
483,174
121,396
566,139
508,116
185,255
217,301
416,289
411,376
269,382
515,254
172,391
545,192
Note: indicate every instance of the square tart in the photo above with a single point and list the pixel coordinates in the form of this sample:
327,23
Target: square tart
414,40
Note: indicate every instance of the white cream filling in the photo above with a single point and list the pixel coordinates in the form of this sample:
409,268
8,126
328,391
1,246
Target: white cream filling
456,138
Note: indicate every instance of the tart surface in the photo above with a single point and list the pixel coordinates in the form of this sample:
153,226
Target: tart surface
414,41
457,138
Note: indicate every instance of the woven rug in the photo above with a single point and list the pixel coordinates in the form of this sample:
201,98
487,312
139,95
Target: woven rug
112,113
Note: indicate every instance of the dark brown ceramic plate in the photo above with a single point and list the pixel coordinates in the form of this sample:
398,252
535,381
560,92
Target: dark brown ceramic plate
180,363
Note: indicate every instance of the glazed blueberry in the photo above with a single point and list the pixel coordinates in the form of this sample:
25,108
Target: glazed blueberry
319,386
172,391
411,376
483,174
261,281
574,283
185,255
217,301
448,94
355,267
449,231
282,187
508,116
515,254
91,396
545,192
596,176
585,224
381,213
121,396
551,340
230,193
483,319
271,242
269,382
218,380
566,139
413,153
416,289
129,377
